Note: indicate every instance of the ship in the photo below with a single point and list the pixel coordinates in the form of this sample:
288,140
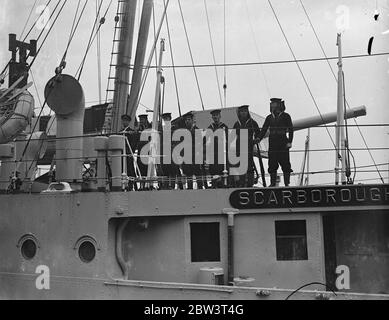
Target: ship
77,233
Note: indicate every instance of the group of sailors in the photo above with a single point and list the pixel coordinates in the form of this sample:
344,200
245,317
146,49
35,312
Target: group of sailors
172,175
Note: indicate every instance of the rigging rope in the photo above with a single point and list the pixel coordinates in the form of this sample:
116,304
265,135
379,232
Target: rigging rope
257,49
92,36
74,20
29,68
191,55
28,19
25,37
213,53
147,108
40,34
155,51
36,89
237,64
224,54
37,19
41,146
333,73
62,65
48,32
67,47
172,58
301,71
72,33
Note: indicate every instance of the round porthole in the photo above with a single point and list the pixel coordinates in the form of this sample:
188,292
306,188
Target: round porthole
87,251
28,249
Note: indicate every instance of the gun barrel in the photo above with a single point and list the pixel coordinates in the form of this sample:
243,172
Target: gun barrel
305,123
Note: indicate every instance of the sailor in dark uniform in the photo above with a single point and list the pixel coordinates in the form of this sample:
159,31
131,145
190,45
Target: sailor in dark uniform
132,138
192,169
245,122
280,123
216,169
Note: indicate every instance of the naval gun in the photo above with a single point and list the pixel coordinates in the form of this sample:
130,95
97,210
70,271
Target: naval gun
314,121
309,122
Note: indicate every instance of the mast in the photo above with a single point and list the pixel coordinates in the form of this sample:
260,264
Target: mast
122,72
157,101
139,58
340,156
308,146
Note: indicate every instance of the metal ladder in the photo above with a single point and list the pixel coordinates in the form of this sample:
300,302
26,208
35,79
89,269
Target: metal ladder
111,83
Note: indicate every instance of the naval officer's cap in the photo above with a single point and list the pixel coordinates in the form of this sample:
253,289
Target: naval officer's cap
243,107
216,111
189,115
276,100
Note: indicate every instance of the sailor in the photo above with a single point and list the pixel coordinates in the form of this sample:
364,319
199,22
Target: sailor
280,124
169,168
16,182
144,124
216,169
192,169
131,141
245,122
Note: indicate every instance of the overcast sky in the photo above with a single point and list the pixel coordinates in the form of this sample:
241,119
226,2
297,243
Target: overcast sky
252,35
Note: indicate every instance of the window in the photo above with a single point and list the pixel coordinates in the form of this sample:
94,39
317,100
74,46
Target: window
205,241
291,240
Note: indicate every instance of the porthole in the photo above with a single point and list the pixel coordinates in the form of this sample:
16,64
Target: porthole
28,249
28,245
87,251
86,248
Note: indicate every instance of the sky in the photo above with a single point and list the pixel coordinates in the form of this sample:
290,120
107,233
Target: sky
252,34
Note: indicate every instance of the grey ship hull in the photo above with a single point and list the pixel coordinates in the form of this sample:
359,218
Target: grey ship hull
156,247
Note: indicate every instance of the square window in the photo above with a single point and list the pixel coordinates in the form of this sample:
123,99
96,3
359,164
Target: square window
291,240
205,241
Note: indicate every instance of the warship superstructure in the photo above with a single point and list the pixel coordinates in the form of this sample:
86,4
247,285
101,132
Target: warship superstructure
75,233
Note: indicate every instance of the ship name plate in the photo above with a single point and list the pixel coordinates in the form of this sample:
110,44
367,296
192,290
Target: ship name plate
295,197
